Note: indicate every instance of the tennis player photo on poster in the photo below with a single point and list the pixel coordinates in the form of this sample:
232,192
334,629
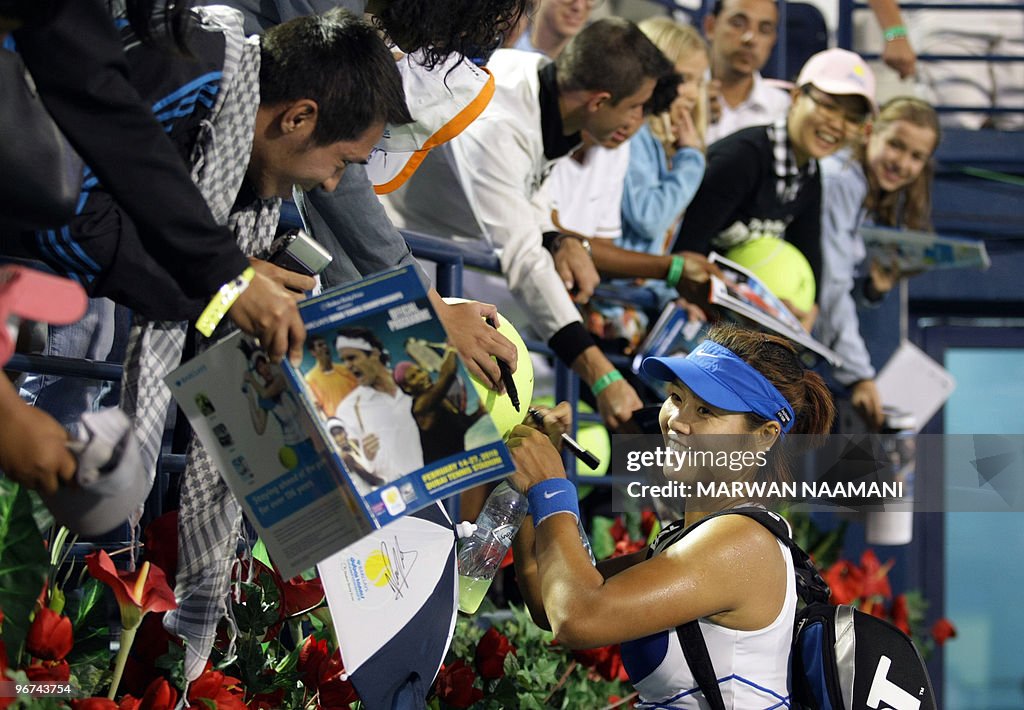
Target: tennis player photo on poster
317,467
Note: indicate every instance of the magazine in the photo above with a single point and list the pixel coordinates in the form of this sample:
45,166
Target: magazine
742,294
913,251
321,454
673,334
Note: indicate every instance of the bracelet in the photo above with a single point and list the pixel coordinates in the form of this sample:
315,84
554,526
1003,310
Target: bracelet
223,300
604,380
551,497
675,271
894,33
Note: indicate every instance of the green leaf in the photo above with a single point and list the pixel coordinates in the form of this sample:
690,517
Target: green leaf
23,564
600,538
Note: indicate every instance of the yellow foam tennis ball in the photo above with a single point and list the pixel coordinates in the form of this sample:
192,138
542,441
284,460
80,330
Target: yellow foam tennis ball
288,458
780,266
500,407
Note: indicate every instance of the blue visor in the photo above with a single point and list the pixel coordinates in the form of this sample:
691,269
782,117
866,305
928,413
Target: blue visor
723,379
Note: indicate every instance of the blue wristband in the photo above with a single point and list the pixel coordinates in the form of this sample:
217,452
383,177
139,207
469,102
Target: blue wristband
553,496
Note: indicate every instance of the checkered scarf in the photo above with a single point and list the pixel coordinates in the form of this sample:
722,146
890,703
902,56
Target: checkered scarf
209,516
789,178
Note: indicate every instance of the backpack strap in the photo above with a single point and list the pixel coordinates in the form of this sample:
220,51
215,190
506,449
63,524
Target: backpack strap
810,587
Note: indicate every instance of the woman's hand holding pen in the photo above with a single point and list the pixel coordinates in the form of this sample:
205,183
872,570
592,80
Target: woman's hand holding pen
535,457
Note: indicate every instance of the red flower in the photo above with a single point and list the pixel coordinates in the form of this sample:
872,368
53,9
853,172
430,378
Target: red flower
606,660
213,686
49,637
311,656
900,614
49,671
93,704
509,559
873,607
647,522
161,538
160,695
491,652
876,576
138,592
151,642
943,630
455,685
846,581
335,692
299,595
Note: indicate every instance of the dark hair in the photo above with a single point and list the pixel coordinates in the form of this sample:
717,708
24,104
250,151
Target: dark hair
808,395
368,335
610,55
716,9
912,205
466,28
314,339
340,62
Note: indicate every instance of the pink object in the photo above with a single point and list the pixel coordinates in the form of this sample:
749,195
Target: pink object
27,294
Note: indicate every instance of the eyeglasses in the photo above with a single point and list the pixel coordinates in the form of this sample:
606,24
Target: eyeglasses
828,107
591,4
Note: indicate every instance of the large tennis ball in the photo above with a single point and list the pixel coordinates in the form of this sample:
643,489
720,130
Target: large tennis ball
780,266
502,411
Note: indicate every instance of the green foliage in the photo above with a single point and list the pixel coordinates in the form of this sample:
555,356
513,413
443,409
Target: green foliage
23,564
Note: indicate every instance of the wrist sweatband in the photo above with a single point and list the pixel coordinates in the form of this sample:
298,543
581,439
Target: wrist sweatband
675,270
222,301
570,341
604,380
894,33
552,240
553,496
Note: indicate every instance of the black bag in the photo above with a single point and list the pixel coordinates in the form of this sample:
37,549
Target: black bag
841,657
40,173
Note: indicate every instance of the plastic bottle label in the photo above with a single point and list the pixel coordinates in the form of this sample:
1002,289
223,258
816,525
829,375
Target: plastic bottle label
505,534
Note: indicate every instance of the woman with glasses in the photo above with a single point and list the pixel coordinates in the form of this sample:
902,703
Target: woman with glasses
885,179
764,181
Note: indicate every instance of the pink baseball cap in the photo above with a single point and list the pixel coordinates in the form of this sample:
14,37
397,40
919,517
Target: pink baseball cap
840,72
27,294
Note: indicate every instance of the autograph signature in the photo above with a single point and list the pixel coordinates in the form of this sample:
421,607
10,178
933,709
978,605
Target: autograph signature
398,564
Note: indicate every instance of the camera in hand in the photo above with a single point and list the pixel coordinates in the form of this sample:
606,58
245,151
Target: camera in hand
297,251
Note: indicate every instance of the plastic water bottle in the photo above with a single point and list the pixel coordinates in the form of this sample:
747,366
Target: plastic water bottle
481,553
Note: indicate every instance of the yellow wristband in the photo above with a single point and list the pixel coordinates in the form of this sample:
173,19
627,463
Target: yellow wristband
222,301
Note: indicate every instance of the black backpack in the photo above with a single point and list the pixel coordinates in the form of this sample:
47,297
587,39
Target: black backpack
842,658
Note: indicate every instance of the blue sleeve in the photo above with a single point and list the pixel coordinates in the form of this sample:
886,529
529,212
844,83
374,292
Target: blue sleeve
654,197
838,326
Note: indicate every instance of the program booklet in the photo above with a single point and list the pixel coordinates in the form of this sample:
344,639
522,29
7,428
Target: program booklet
743,294
380,419
912,250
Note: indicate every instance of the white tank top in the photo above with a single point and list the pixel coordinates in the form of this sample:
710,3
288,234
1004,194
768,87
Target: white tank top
752,666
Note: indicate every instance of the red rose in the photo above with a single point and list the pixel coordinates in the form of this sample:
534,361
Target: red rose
943,630
49,671
312,654
491,652
901,614
267,701
159,696
299,595
49,637
223,691
335,692
606,661
455,685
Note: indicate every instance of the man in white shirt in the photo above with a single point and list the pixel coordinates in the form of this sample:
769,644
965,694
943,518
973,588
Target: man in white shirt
377,414
741,34
487,180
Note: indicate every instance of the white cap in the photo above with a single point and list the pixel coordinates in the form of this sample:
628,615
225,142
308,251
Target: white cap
112,482
840,72
443,101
